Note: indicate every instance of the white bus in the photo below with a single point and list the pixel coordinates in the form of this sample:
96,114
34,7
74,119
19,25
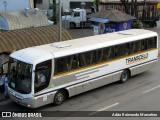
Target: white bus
54,72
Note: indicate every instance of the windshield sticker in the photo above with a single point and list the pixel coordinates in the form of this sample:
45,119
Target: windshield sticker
13,84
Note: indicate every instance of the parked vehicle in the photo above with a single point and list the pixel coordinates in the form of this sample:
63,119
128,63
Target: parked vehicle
77,18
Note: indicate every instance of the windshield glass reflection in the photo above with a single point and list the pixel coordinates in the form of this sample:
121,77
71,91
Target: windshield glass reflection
20,76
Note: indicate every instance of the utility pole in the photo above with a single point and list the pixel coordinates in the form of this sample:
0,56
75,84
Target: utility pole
82,6
60,23
5,5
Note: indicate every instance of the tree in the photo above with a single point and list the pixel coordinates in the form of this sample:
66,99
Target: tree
125,3
96,2
54,7
135,7
133,11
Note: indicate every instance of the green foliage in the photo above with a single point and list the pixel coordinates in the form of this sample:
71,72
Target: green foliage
96,2
146,26
138,25
54,7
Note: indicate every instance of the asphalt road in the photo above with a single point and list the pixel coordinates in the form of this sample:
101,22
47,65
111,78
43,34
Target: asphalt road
140,93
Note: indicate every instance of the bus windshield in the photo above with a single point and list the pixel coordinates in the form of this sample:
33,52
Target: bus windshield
20,75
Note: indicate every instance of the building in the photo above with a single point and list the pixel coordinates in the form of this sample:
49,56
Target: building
144,11
44,4
111,21
23,19
14,40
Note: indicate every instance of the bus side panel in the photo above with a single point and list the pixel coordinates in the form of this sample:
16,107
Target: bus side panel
44,99
95,83
82,80
148,66
142,68
116,76
64,80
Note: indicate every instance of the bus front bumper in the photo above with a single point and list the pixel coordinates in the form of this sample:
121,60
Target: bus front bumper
27,102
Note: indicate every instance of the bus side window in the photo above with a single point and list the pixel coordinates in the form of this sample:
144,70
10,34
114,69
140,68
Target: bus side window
133,47
42,75
155,42
151,43
102,54
108,53
138,46
127,49
87,58
141,45
61,65
75,62
111,52
69,63
120,50
94,57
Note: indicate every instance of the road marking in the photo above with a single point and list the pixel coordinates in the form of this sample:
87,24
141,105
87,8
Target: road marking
151,89
103,109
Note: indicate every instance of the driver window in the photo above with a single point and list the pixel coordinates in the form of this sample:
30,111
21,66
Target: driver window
41,78
42,75
76,14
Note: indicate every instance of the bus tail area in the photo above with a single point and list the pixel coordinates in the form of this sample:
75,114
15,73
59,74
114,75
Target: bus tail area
54,72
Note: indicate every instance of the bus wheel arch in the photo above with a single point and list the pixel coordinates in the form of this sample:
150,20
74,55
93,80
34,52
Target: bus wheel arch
60,97
125,75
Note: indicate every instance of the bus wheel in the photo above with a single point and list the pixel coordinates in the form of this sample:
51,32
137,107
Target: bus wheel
59,97
124,76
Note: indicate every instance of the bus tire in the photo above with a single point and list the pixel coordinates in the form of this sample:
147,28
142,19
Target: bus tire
124,76
59,97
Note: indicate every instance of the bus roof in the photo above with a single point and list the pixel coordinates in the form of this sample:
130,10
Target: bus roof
41,53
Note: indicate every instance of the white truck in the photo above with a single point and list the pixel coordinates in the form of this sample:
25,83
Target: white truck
77,18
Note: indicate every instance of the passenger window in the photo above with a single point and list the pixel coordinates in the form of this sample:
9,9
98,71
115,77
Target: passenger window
87,58
102,55
66,64
105,54
74,64
143,45
42,75
121,50
110,52
132,46
151,43
138,46
60,65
